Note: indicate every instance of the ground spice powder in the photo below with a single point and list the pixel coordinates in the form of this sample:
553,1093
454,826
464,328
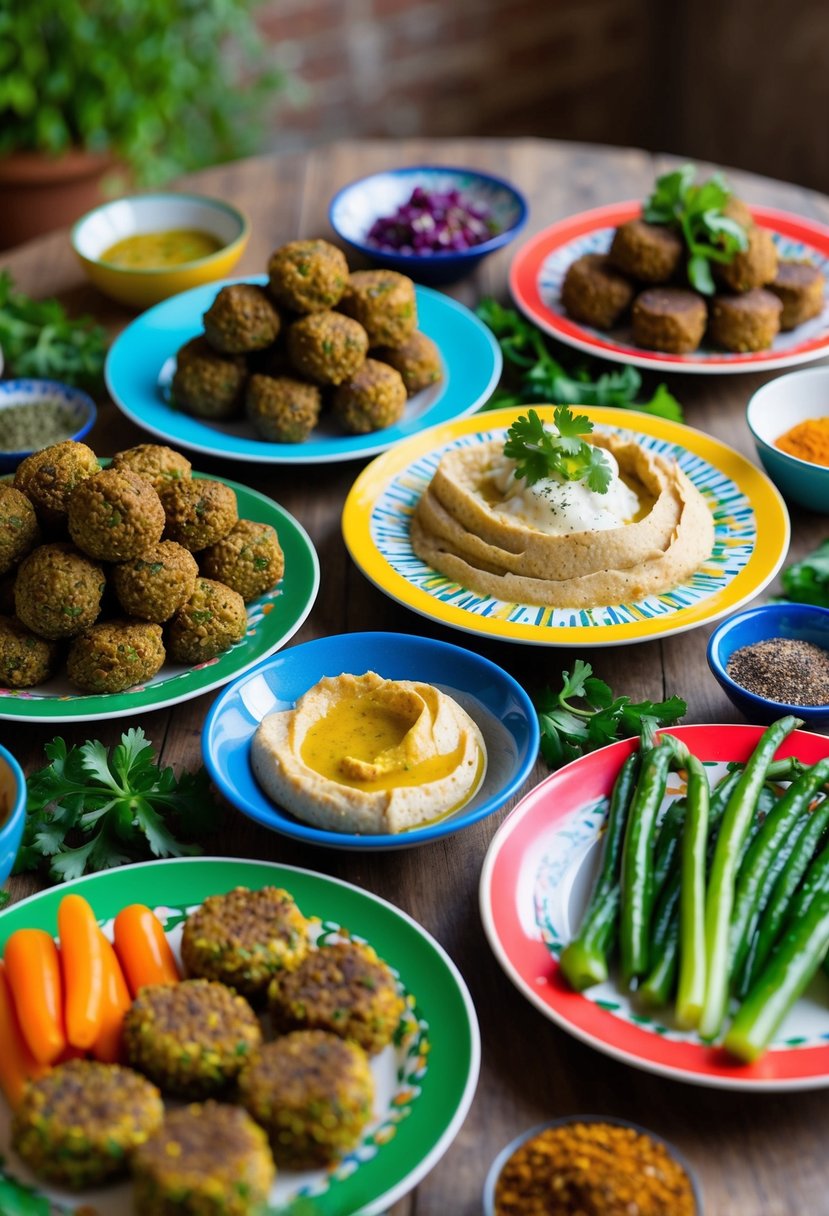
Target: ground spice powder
593,1169
783,669
808,440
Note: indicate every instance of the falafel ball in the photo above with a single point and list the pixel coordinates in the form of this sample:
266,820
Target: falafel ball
312,1092
799,285
25,659
49,477
78,1125
212,620
241,319
155,584
307,276
384,303
670,319
115,655
327,347
154,462
244,938
199,512
747,322
735,209
374,398
417,359
57,592
282,409
594,292
19,530
207,384
114,515
248,560
343,988
751,267
648,252
193,1038
206,1159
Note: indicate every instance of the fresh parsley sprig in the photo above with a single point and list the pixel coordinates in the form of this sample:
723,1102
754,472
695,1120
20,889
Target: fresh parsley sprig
569,729
539,452
39,339
807,581
92,810
533,376
697,210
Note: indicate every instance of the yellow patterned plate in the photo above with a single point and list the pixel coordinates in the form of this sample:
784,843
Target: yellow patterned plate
744,504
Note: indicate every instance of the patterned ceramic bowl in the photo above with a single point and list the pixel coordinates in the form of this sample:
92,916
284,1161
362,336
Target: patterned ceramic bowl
776,408
80,411
355,208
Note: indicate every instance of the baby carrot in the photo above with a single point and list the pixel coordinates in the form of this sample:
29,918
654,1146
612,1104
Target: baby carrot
143,949
82,966
107,1046
17,1064
33,972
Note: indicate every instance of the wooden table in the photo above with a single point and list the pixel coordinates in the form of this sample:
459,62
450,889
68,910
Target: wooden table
756,1155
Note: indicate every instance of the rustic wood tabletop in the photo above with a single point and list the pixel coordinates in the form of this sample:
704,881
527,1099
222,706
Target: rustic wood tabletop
756,1155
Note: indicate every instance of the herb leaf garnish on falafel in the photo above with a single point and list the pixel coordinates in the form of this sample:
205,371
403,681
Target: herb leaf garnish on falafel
540,453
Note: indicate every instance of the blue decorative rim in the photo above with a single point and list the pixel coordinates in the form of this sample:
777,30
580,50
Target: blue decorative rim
29,386
477,251
263,811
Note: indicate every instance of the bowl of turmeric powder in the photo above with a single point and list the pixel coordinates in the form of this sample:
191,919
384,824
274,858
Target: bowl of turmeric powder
789,421
590,1165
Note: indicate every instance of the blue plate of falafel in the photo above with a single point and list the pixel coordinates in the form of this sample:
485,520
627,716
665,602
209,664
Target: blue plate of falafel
306,365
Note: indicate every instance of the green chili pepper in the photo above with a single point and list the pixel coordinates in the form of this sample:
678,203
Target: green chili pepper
692,961
719,898
584,960
668,841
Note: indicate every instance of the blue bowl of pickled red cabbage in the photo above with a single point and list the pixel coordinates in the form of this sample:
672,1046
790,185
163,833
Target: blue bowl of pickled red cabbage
430,222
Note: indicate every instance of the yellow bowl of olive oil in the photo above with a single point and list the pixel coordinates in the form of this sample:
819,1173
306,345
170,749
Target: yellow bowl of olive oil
144,248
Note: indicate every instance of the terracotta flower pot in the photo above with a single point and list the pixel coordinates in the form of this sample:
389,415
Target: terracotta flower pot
39,193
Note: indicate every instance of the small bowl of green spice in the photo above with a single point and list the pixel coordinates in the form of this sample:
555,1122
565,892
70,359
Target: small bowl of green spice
37,413
774,660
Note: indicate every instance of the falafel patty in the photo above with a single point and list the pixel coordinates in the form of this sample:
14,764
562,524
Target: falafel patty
417,359
384,303
307,276
115,514
374,398
752,267
78,1125
25,659
648,252
343,988
282,409
747,322
213,619
670,319
248,560
115,655
206,1159
594,292
198,512
327,347
155,462
245,938
49,477
155,584
802,289
207,384
192,1038
57,592
312,1092
241,319
19,531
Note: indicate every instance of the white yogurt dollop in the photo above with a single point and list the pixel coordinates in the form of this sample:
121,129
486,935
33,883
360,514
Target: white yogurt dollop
558,507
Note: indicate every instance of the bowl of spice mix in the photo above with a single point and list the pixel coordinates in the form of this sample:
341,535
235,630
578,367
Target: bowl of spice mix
789,420
37,413
590,1165
774,660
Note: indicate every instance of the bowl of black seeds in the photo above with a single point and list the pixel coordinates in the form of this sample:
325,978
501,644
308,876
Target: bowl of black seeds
774,659
34,414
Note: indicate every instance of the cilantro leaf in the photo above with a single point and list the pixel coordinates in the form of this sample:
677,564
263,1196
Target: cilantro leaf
39,339
539,452
807,581
91,809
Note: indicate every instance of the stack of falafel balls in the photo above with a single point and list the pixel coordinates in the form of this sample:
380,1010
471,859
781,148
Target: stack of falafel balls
292,1088
316,338
126,566
642,275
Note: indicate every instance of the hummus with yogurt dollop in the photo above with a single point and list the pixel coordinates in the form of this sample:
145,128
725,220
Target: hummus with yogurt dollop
555,542
363,754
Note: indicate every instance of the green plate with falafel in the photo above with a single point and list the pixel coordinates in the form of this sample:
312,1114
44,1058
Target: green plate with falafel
272,618
424,1079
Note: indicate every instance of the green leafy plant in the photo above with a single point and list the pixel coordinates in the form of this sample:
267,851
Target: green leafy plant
164,85
568,729
807,581
538,452
697,210
38,339
532,375
91,810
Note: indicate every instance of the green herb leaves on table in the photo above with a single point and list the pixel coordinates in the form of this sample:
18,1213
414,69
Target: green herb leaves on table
38,339
90,809
584,715
538,452
807,581
533,376
709,235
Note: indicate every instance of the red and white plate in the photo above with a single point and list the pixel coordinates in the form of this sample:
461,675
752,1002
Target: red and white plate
539,267
534,886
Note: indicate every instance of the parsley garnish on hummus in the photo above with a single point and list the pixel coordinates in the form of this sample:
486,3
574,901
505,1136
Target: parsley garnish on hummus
540,453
